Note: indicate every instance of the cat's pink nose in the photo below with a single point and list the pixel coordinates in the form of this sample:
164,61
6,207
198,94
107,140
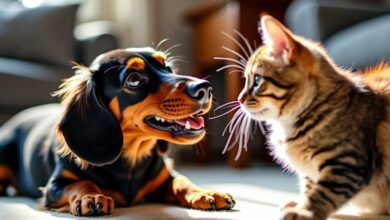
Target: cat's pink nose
241,97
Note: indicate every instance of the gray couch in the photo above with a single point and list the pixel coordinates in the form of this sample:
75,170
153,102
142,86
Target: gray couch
356,33
33,64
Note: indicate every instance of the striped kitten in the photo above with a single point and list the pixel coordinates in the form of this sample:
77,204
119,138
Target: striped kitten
329,126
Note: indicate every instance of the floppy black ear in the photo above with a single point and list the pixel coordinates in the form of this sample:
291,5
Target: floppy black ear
90,130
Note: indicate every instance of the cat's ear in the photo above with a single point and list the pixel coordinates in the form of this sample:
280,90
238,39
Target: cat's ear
278,40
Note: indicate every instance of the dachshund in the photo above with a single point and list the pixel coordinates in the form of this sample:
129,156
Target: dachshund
104,146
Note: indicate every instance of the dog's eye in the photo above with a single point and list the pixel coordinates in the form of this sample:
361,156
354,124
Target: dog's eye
134,80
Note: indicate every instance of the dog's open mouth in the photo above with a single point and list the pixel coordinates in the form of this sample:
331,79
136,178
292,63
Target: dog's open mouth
190,126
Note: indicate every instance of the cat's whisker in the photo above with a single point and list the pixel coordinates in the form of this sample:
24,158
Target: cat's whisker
234,71
225,113
228,146
261,126
231,66
235,142
239,62
245,41
249,132
236,132
232,105
235,53
242,136
232,122
227,126
243,61
237,43
227,104
236,118
206,77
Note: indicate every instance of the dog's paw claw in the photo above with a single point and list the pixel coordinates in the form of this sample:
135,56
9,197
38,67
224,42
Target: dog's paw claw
230,203
99,208
78,210
212,201
109,210
92,205
212,204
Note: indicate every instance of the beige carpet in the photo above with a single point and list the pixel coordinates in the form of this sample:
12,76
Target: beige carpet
253,202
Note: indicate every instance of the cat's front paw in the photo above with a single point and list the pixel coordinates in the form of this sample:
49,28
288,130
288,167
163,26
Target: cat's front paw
289,204
211,200
293,213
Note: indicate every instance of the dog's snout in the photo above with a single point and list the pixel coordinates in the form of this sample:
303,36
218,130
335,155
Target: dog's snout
200,91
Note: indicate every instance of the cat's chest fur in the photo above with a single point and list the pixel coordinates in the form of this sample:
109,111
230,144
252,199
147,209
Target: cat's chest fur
292,156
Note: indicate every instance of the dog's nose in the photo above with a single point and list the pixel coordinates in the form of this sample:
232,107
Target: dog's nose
200,91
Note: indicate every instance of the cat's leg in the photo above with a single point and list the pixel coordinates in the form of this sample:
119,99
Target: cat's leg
65,192
182,190
305,185
337,183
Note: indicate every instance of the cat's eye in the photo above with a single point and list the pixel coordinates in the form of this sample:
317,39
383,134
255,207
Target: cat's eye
257,79
135,80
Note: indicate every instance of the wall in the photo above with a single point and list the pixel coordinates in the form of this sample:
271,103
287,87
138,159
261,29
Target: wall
170,24
147,22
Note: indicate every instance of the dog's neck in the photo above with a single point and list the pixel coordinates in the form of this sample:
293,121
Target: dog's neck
136,147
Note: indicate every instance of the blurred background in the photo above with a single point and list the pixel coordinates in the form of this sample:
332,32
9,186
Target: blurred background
40,38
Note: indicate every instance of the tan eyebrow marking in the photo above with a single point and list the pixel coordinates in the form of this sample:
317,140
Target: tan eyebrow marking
136,63
160,57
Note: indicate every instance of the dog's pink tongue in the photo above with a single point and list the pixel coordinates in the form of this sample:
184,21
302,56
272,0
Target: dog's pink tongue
195,123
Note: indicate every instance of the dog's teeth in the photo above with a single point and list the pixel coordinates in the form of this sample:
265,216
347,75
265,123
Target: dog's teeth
170,121
188,126
157,118
162,119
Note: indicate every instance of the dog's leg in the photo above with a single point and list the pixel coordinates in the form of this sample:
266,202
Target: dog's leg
188,194
66,192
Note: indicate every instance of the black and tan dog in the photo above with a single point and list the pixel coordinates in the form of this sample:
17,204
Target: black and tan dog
99,147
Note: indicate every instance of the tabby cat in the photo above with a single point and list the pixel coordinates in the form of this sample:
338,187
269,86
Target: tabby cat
329,126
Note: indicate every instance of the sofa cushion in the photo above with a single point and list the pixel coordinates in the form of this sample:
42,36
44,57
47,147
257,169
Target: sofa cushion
364,44
43,34
26,83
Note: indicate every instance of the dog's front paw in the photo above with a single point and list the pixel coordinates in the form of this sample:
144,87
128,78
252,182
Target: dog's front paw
92,205
211,200
293,213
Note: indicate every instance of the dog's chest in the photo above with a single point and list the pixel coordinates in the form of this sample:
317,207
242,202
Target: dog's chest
122,178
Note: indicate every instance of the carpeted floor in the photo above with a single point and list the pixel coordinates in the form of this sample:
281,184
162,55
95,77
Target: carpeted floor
257,191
